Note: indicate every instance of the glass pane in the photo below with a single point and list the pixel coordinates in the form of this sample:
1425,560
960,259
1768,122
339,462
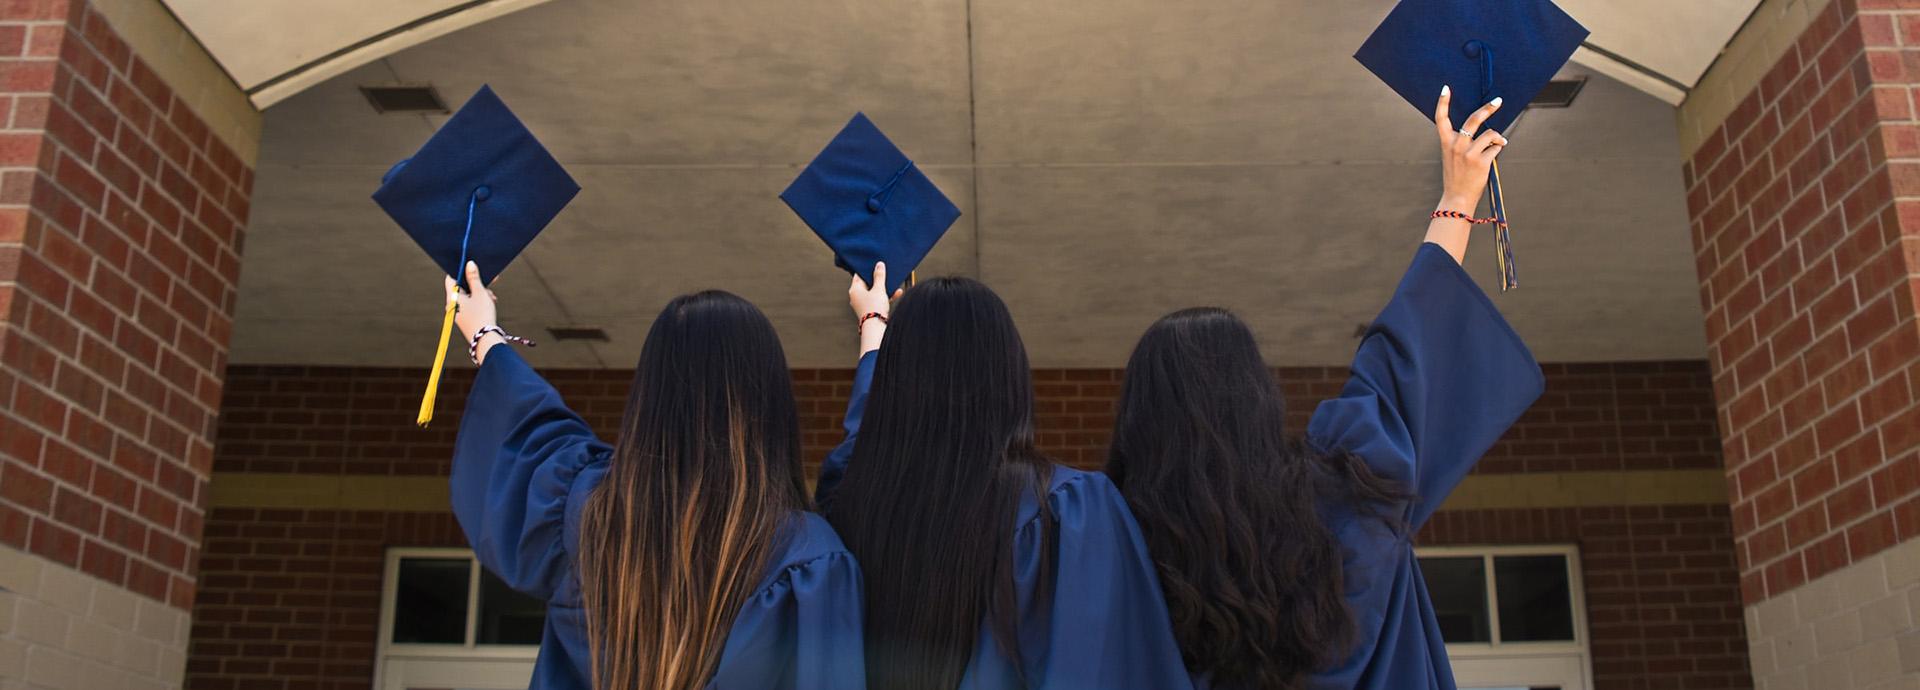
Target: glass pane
1536,604
430,601
507,616
1458,588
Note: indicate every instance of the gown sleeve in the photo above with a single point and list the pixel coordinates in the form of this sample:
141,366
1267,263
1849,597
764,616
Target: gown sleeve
802,631
517,466
835,466
1437,379
1108,625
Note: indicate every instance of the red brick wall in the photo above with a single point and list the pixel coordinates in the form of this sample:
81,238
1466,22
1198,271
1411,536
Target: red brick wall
1807,268
1663,598
120,219
342,420
289,599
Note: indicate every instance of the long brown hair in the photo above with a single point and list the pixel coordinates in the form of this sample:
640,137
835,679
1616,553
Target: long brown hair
934,486
1232,508
706,472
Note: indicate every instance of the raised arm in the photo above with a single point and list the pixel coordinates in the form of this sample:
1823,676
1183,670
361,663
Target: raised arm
1440,375
871,305
522,464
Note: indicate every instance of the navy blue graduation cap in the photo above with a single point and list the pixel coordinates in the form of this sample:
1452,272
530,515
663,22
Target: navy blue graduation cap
1483,49
868,201
479,190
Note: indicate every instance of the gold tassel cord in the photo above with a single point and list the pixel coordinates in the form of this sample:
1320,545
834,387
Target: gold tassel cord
439,361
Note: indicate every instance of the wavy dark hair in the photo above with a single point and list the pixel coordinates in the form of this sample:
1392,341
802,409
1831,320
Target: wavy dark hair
1232,507
945,452
706,472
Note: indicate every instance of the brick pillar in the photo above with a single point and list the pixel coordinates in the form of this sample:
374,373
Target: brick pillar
120,221
1805,203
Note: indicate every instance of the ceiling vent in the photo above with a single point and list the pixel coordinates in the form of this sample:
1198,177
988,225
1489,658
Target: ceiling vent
404,98
578,333
1559,93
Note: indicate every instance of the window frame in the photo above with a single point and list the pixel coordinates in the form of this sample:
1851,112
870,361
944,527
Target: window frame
1496,649
386,648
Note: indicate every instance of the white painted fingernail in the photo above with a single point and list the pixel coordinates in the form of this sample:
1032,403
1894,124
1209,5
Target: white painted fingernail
1496,102
1445,90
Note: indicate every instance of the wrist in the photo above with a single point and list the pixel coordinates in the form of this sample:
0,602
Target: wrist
872,333
1460,203
485,343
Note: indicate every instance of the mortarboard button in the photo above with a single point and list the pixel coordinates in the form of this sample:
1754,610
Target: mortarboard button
870,203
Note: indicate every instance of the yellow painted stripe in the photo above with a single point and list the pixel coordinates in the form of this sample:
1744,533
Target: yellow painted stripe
1478,492
330,492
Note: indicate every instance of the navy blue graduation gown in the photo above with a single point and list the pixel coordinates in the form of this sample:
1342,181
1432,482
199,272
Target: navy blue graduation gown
1105,625
1437,379
524,465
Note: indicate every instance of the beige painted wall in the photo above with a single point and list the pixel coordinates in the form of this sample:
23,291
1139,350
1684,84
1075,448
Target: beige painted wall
196,79
1772,29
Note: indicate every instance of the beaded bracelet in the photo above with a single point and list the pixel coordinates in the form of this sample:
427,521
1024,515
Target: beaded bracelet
871,315
1443,213
473,348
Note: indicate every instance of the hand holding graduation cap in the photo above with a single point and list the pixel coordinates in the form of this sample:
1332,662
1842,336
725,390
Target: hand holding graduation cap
872,299
1465,158
475,311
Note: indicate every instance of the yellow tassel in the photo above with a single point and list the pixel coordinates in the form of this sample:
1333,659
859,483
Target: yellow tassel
439,362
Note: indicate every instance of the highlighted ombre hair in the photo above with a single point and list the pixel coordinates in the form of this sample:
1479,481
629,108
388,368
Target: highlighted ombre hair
706,471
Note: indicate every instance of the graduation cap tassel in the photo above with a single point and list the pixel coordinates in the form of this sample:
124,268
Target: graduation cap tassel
446,324
439,361
1503,240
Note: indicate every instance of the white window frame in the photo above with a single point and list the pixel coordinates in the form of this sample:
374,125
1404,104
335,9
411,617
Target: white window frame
389,653
1516,654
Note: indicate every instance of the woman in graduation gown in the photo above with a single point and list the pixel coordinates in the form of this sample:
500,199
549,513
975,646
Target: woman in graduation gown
987,565
1288,563
684,555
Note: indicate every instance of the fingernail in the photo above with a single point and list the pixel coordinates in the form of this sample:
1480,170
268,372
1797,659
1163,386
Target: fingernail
1496,102
1445,90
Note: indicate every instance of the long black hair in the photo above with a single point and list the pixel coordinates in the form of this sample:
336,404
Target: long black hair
706,472
1231,506
945,452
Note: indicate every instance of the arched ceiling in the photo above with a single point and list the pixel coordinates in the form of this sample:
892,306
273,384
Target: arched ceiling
276,48
1115,160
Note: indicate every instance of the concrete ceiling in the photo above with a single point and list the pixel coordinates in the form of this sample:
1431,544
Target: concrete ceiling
1112,165
276,48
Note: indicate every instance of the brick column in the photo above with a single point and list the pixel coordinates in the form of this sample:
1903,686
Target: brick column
120,221
1805,201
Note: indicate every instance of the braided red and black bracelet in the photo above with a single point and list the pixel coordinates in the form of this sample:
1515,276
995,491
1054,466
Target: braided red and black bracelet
1444,213
871,315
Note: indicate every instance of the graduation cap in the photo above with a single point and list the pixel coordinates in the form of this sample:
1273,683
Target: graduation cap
1483,49
870,203
479,190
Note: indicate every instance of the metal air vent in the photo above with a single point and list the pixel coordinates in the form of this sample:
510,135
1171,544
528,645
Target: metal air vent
404,98
575,333
1559,93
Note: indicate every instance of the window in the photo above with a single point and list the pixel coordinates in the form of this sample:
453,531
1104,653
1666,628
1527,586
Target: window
445,622
1514,618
